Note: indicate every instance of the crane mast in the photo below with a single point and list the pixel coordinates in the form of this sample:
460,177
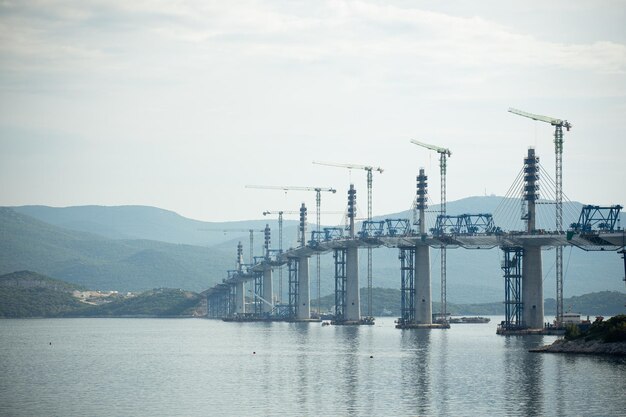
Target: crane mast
369,170
444,153
558,152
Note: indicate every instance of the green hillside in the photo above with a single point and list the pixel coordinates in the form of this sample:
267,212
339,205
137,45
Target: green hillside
28,294
105,264
30,279
607,303
604,303
161,302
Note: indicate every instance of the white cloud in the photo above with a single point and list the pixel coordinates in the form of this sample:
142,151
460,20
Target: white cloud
232,82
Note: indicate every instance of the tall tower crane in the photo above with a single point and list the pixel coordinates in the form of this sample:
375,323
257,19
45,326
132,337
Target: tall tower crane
318,203
444,153
558,152
369,170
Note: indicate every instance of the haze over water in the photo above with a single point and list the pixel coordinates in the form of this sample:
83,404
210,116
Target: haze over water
193,367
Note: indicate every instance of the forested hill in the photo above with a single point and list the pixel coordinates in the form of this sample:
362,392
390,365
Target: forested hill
105,264
28,294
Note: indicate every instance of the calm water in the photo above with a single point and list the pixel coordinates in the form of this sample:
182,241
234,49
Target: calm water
195,367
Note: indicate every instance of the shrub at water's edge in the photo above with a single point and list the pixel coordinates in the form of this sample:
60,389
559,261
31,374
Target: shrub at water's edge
609,331
602,338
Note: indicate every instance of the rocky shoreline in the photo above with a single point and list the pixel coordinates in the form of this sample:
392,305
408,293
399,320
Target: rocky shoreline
589,347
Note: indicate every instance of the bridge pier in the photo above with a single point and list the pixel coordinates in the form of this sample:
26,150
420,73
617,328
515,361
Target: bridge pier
423,292
532,288
240,298
352,313
303,309
268,290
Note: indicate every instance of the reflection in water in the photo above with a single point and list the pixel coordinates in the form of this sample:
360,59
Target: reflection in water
442,384
349,345
299,369
370,377
523,376
559,402
414,370
302,361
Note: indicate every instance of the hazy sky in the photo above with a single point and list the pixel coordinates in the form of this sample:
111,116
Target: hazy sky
180,104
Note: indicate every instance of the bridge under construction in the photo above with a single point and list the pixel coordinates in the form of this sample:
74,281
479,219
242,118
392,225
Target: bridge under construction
597,228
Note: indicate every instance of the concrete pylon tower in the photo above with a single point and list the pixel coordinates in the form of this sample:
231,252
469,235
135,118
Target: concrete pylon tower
239,263
304,296
268,288
240,298
353,298
240,295
423,291
532,273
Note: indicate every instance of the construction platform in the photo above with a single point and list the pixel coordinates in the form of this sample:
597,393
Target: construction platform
422,326
365,321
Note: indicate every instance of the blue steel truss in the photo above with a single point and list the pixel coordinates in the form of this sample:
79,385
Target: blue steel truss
398,227
293,266
597,218
339,256
464,224
325,235
331,233
258,290
407,286
371,228
316,238
513,306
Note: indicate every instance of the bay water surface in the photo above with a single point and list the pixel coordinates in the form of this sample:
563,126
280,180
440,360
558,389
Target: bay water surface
198,367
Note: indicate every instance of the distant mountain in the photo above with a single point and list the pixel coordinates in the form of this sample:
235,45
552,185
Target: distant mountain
140,222
105,264
609,303
151,223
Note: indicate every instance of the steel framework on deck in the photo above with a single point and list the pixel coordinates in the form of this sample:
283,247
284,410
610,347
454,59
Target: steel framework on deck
513,307
293,266
339,257
407,288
